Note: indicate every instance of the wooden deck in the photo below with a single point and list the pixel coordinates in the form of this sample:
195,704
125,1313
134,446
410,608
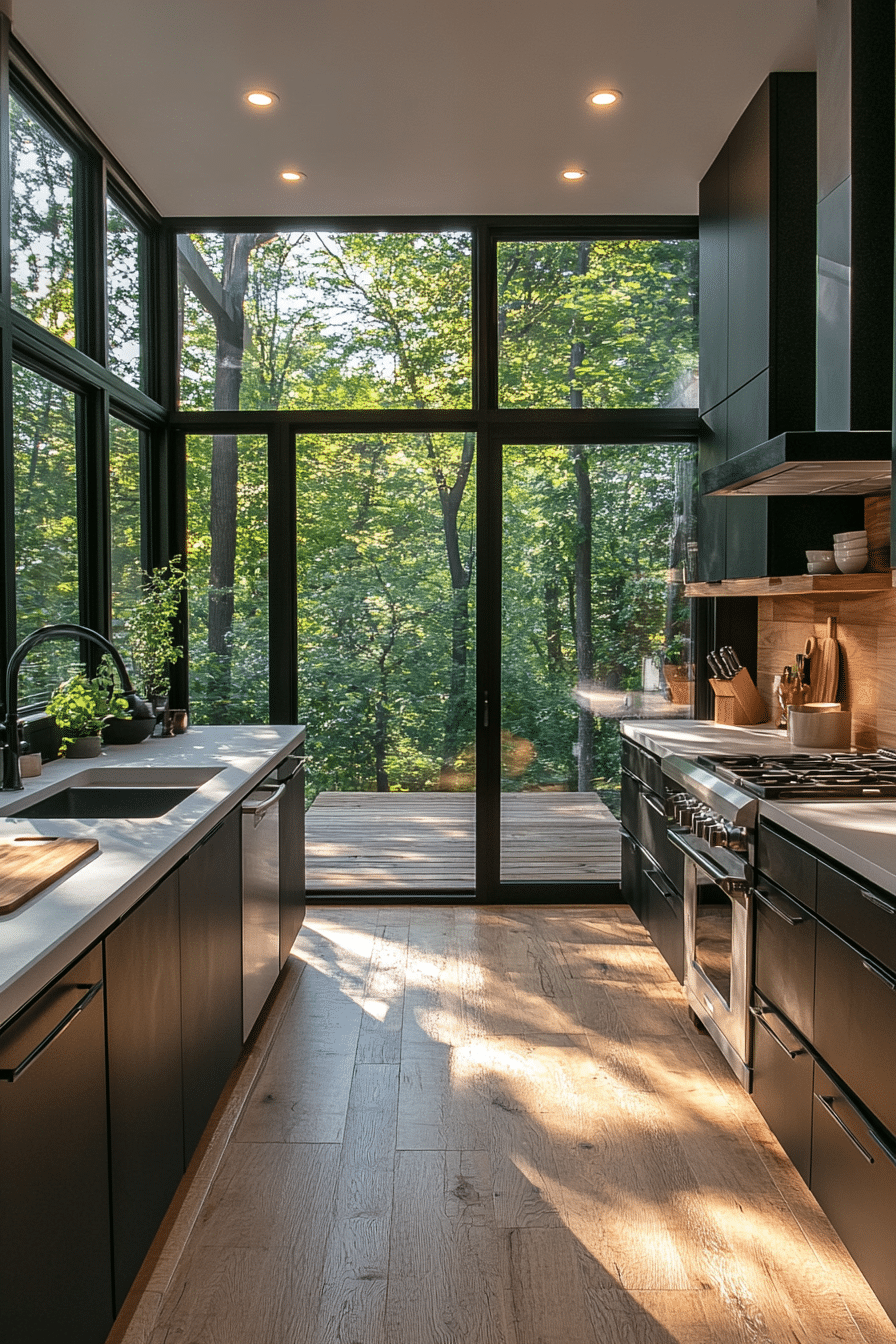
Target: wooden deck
425,841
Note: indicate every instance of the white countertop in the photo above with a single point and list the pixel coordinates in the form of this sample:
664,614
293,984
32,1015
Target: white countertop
859,835
43,936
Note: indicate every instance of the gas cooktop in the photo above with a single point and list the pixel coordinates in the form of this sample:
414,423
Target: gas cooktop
816,778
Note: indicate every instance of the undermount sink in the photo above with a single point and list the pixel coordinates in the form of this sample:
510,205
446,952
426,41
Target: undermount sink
117,802
118,793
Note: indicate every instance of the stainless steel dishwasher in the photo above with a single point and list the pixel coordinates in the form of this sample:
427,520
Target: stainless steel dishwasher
261,899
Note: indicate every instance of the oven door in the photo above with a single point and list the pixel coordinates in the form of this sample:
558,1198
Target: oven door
718,948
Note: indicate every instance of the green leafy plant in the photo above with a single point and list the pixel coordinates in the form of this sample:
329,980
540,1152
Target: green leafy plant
150,627
82,704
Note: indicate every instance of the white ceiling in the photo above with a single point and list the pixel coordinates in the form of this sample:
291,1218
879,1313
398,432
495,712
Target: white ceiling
415,106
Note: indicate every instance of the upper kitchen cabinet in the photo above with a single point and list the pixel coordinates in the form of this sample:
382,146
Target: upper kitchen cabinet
757,328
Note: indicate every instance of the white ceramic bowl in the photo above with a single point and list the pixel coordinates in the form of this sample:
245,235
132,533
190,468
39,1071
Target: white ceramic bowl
852,565
820,557
842,546
822,567
852,554
851,536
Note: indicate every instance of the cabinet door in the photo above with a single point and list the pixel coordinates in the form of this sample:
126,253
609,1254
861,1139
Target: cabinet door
854,1181
782,1083
631,875
146,1132
664,918
55,1258
784,956
855,1023
292,862
211,972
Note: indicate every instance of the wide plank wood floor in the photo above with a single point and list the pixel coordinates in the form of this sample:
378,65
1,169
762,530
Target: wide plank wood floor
495,1126
424,841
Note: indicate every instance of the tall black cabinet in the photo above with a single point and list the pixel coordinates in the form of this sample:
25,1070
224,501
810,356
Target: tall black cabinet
757,327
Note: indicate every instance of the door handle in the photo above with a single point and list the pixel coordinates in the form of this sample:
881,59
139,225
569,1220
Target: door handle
759,1014
776,910
881,974
828,1104
10,1075
257,810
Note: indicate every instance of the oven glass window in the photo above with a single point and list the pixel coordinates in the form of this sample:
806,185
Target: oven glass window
713,927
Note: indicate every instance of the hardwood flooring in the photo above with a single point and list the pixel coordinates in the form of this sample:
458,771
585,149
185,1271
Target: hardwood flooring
492,1126
425,841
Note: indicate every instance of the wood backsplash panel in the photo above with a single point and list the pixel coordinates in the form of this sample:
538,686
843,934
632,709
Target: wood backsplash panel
866,629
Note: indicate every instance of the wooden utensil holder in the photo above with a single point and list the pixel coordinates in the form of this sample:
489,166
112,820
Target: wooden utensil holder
737,701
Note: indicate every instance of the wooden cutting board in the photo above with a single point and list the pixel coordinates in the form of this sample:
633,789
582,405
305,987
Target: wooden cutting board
825,666
28,863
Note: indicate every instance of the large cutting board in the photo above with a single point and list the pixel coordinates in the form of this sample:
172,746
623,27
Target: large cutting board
28,863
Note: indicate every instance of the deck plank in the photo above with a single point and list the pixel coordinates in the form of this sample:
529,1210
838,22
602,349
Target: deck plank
425,841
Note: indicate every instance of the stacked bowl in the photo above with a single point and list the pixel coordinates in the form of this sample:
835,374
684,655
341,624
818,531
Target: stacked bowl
820,562
851,551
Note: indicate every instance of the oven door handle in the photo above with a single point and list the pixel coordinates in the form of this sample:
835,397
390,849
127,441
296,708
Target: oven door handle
734,887
759,1014
662,889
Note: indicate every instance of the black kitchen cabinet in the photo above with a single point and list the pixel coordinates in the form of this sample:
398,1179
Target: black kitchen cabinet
757,328
783,1071
292,854
146,1134
211,972
784,954
653,869
55,1280
855,1022
854,1181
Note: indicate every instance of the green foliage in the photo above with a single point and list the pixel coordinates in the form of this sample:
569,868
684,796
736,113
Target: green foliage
151,626
81,704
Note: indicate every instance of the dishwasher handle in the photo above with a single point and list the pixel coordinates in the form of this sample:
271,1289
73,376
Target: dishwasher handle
256,808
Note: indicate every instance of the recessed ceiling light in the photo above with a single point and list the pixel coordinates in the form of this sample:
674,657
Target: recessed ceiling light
290,175
604,97
261,98
573,174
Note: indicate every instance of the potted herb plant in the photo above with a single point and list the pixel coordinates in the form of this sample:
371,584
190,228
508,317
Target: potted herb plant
150,631
80,707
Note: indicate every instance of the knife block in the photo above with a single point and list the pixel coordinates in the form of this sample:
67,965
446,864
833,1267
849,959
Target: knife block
737,701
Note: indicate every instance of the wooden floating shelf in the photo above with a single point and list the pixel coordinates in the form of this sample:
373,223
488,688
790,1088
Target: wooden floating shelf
794,583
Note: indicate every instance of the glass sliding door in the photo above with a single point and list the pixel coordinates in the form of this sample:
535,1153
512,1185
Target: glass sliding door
386,640
595,629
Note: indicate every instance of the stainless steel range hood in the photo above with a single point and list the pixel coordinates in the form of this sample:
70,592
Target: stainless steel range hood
808,462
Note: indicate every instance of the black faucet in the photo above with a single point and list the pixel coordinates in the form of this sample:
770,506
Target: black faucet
12,778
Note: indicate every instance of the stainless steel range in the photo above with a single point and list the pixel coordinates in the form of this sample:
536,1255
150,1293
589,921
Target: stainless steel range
713,811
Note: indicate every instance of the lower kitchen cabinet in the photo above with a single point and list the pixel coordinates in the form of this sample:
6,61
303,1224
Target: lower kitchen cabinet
211,956
630,883
854,1181
146,1133
292,855
782,1083
663,916
55,1282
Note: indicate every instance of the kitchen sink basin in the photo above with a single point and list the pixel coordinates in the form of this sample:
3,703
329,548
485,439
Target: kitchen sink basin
121,802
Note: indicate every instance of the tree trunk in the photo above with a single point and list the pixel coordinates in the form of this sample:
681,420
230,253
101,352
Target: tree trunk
460,571
553,624
584,641
230,340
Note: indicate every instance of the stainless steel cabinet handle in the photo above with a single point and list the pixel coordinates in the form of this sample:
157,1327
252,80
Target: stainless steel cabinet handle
828,1104
759,1014
776,910
877,900
258,809
662,889
654,807
10,1075
881,974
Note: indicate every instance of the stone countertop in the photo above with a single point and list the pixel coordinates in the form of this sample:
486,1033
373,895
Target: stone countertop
46,934
857,834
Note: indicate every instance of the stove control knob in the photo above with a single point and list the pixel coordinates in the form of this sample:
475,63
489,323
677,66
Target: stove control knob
737,839
703,823
685,809
718,836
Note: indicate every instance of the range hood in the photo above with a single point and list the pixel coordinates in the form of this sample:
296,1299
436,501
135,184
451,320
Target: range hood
808,462
849,452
